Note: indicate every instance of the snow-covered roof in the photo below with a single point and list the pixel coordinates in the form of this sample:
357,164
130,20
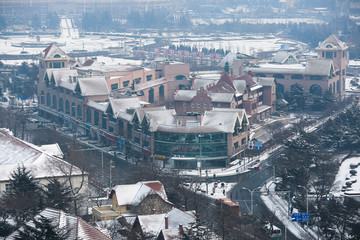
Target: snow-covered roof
268,82
184,95
332,42
78,228
93,86
320,67
203,83
121,104
41,161
101,106
133,194
224,119
282,56
61,74
110,68
149,84
160,117
221,97
52,50
154,223
278,68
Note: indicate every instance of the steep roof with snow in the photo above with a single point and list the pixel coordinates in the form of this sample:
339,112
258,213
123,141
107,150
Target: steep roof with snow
42,161
267,82
332,42
78,228
221,97
203,83
282,56
52,50
161,117
93,86
320,67
134,194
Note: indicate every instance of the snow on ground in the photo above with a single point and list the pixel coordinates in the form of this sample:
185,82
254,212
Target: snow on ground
344,176
279,206
216,189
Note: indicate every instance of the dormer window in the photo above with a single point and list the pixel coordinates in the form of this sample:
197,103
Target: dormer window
57,56
328,46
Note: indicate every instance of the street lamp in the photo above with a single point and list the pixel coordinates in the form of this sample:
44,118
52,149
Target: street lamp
251,197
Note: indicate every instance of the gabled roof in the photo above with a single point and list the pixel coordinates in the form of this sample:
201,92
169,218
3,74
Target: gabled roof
282,56
332,42
42,161
320,67
88,62
61,74
93,86
161,117
78,228
134,194
226,78
184,95
101,106
122,104
221,97
203,83
224,117
52,50
250,82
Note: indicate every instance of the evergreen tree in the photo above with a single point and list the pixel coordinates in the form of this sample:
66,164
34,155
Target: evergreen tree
44,229
58,195
24,197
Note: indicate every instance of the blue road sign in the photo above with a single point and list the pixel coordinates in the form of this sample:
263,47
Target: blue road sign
258,145
300,217
251,144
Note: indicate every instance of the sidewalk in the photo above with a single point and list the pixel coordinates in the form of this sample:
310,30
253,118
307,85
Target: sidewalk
279,207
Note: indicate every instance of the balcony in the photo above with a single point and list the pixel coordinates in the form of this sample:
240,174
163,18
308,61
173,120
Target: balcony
104,212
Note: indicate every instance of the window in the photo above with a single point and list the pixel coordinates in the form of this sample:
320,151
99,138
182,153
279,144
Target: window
137,80
297,76
335,54
279,76
111,129
50,65
343,72
126,84
103,122
192,105
114,86
184,105
243,141
253,106
73,109
198,105
146,144
68,92
148,77
128,207
42,97
323,54
79,112
96,118
210,106
236,145
88,115
57,65
121,127
201,99
67,107
61,90
205,105
329,55
8,187
219,104
48,100
61,105
54,105
343,54
137,140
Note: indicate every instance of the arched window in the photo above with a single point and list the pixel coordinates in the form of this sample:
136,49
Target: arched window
73,109
338,86
96,118
330,88
57,56
48,100
42,97
334,88
343,84
278,76
61,105
67,107
316,89
79,112
297,76
151,95
54,103
161,92
88,115
180,77
260,75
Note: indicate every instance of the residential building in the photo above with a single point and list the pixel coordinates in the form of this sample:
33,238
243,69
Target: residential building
140,198
77,227
325,73
44,162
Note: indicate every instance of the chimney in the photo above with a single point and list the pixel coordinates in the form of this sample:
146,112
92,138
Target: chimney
154,211
166,223
183,208
181,230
